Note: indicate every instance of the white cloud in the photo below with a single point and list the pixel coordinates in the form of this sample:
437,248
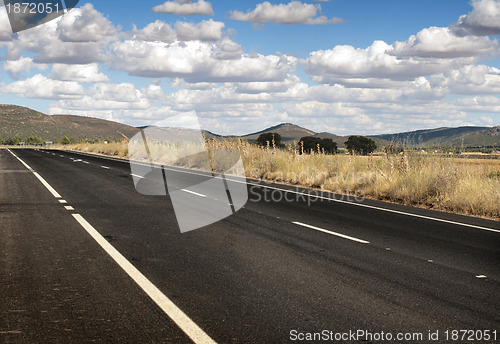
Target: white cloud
470,79
207,30
58,42
5,29
292,13
79,73
484,19
40,86
23,64
439,42
194,61
266,87
343,64
226,49
185,8
155,32
85,24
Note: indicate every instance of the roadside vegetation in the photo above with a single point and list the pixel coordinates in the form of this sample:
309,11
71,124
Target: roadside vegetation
468,186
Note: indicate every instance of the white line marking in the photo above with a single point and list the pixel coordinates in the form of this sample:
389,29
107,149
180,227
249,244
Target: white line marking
106,167
50,188
135,175
22,162
62,201
85,162
47,185
304,194
194,193
68,207
481,276
62,156
332,233
187,325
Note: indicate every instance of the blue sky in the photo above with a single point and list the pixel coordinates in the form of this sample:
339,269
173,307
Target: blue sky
348,67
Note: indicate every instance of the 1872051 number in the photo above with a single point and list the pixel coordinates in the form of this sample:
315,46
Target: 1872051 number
32,7
471,335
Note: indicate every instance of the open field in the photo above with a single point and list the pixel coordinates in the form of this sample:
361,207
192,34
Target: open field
467,186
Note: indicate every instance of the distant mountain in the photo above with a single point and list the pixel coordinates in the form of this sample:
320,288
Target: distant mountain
461,136
289,132
24,122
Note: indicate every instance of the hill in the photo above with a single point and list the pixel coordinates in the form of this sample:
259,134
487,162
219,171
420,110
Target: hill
447,137
24,122
289,132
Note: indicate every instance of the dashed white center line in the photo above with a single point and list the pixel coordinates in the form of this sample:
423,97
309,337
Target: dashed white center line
63,201
106,167
85,162
194,193
332,233
481,276
68,207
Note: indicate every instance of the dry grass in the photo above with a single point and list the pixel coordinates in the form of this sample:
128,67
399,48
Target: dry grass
467,186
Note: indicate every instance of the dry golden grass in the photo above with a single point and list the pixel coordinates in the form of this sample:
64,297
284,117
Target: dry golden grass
467,186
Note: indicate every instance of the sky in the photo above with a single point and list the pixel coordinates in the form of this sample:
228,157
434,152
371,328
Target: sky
342,66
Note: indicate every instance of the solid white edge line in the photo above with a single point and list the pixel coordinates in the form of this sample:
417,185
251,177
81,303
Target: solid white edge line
22,162
194,193
135,175
332,233
47,185
190,328
304,194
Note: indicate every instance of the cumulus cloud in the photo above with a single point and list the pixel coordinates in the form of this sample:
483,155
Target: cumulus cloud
158,31
79,73
194,62
440,42
207,30
42,87
292,13
5,29
483,20
58,42
375,66
470,79
185,8
23,64
85,25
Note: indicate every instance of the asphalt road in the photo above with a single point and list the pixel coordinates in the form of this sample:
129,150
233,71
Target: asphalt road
270,273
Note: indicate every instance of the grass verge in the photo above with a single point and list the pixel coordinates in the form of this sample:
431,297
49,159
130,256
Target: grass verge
465,186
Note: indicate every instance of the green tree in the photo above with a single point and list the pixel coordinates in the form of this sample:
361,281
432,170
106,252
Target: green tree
13,141
360,145
311,143
33,140
66,140
268,137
